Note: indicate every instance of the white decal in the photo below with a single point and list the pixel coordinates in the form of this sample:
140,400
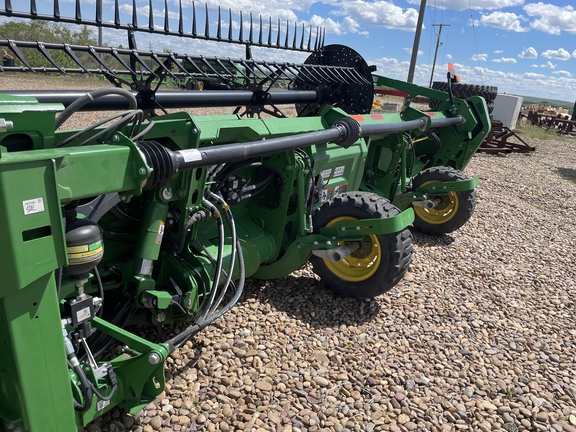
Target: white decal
33,206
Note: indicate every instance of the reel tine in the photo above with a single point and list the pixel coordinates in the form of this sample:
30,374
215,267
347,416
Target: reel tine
261,31
250,38
238,69
219,28
302,39
78,14
241,36
75,58
42,50
207,26
56,9
166,22
98,10
194,18
269,30
309,37
180,19
295,34
278,35
229,24
20,55
8,7
134,14
33,9
287,34
116,14
150,16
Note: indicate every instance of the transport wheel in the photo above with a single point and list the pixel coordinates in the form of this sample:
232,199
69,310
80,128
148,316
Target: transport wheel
378,263
455,208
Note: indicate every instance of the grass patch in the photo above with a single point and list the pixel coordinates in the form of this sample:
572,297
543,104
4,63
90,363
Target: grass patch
540,133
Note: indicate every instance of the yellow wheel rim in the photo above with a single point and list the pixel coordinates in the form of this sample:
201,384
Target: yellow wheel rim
443,212
360,264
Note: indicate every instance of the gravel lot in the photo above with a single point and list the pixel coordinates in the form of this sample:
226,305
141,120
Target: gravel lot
479,336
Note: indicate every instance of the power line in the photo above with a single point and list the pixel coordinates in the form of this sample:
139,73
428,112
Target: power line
436,50
475,40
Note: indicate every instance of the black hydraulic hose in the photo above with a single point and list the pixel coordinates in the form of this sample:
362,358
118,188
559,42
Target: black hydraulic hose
100,290
85,384
197,216
177,341
83,99
220,255
87,390
232,227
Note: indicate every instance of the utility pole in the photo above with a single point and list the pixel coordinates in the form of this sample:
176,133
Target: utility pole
416,41
436,50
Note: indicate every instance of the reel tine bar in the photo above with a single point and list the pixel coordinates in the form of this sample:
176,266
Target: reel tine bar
308,42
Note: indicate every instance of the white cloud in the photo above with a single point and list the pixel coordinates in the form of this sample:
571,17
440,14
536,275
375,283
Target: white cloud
331,26
534,75
529,53
283,9
474,4
548,65
559,54
498,51
448,56
409,51
505,60
379,13
563,73
504,21
552,19
479,57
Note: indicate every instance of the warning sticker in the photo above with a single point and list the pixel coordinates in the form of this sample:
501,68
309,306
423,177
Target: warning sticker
327,173
338,171
340,189
33,206
79,257
77,249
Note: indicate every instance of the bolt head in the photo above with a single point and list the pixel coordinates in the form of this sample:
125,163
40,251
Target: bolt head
167,193
154,358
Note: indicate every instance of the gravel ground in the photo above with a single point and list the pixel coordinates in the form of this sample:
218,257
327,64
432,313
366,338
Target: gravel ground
479,335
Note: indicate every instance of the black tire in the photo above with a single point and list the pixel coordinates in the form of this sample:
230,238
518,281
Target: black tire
381,261
464,91
455,209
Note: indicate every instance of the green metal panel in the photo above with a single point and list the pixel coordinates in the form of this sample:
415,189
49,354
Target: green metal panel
35,393
32,237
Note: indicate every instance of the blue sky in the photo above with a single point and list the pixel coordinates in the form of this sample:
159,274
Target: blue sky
521,46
